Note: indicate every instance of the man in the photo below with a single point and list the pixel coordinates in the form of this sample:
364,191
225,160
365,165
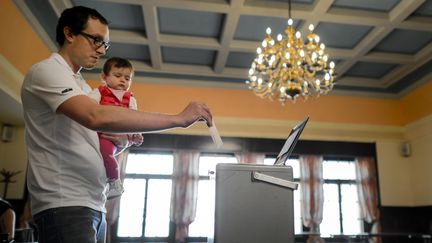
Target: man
66,176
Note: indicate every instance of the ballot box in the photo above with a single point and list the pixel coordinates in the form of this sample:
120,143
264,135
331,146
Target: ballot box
254,204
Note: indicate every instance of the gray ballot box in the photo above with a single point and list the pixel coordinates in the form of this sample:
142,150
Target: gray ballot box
254,204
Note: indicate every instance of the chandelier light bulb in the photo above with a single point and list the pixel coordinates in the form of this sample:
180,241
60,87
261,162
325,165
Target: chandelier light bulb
298,34
264,43
317,38
251,71
260,60
318,82
311,27
325,58
260,81
302,53
272,42
322,46
314,56
332,65
254,78
259,50
327,76
268,31
287,55
290,22
279,37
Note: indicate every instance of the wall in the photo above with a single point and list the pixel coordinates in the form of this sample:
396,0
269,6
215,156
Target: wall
419,135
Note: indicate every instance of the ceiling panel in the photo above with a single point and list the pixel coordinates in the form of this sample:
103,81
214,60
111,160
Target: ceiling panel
345,36
372,5
125,16
132,51
188,56
189,23
370,70
404,41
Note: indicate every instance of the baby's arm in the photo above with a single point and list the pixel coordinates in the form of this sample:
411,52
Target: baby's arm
136,139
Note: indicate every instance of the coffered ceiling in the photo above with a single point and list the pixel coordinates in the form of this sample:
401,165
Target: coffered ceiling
381,48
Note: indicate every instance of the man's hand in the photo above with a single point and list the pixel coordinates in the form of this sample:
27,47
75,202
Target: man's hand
196,111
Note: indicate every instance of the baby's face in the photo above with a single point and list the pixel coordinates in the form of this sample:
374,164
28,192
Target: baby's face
119,78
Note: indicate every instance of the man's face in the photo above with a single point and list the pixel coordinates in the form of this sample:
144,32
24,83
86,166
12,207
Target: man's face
89,45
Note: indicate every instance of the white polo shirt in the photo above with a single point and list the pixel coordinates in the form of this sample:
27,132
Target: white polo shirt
65,165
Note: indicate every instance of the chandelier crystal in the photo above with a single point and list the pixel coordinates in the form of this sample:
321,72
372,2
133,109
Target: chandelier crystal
290,67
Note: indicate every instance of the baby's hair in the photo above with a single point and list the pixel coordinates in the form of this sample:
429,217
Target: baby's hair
116,62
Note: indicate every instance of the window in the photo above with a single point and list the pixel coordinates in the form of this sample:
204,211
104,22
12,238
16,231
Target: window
144,206
341,213
294,163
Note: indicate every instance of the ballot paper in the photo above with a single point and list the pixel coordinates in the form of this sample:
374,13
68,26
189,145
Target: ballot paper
215,135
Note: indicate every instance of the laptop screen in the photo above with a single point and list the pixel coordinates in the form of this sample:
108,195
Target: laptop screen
290,142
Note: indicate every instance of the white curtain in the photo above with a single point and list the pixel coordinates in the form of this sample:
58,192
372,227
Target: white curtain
184,191
367,188
312,194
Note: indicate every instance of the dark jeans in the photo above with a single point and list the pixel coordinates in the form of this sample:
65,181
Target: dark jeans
71,225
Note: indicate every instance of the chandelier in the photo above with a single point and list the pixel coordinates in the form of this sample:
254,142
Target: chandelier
290,67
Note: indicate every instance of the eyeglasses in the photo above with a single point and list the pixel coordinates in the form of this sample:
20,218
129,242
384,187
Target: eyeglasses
98,42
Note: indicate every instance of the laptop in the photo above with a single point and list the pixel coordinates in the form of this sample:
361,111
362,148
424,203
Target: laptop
290,142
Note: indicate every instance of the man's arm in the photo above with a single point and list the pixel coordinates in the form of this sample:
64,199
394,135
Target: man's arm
97,117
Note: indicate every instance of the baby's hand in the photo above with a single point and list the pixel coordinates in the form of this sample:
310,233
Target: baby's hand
137,139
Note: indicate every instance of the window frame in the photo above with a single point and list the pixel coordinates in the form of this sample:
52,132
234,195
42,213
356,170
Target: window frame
339,183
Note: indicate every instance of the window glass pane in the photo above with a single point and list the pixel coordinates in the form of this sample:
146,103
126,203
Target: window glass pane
269,160
339,170
330,223
131,208
158,205
352,223
204,220
161,164
208,163
294,163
